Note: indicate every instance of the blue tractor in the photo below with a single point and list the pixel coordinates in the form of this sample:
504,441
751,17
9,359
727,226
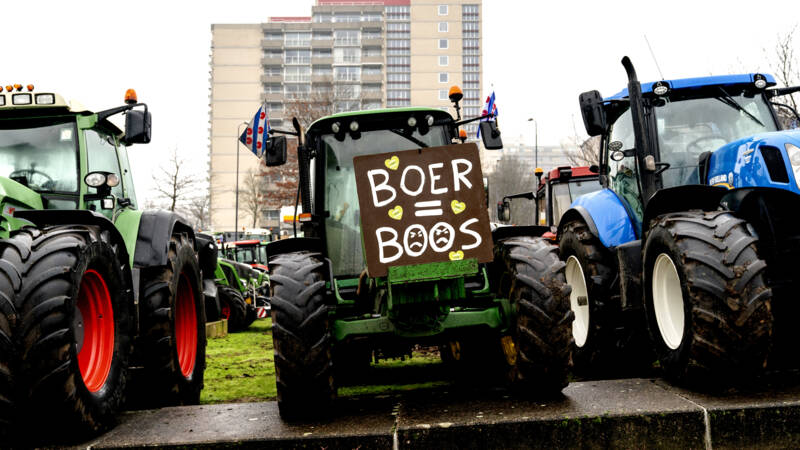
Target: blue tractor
686,253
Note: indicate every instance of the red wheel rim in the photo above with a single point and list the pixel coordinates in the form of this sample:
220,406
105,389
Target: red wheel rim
186,326
96,351
225,311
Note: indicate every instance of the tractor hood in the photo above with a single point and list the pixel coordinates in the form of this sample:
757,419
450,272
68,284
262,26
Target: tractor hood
15,195
765,159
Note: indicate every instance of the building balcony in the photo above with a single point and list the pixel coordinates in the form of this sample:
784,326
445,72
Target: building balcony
276,60
322,25
271,78
271,43
371,95
372,25
321,43
273,97
322,60
371,78
375,42
322,78
377,59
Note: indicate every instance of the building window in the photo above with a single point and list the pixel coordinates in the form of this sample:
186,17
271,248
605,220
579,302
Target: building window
297,39
442,10
444,77
297,57
444,60
347,37
443,27
443,44
297,73
346,55
347,73
442,94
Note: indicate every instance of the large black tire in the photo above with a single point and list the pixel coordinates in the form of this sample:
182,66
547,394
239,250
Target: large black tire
73,329
592,273
172,343
233,308
10,282
538,350
301,336
718,331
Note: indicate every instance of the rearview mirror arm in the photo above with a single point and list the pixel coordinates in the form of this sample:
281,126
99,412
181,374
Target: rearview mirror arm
110,112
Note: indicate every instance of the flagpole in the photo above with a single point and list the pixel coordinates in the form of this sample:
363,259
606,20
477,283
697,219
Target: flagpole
236,220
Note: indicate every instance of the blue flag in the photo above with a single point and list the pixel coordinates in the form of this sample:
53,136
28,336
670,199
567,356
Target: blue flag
257,132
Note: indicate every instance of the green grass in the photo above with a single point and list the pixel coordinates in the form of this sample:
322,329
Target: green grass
240,368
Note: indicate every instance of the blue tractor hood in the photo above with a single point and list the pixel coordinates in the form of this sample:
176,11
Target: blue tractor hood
762,160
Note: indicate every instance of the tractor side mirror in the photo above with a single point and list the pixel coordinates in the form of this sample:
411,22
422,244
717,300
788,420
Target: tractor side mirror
504,211
137,127
275,152
594,116
491,135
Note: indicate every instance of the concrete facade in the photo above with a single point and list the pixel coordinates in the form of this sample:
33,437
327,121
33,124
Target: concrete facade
354,54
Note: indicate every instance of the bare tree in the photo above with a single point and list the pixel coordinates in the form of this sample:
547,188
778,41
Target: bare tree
786,67
253,193
198,211
581,150
173,182
513,175
324,99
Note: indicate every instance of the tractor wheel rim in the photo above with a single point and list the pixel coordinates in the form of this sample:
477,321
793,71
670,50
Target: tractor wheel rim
668,301
575,278
185,326
96,348
225,311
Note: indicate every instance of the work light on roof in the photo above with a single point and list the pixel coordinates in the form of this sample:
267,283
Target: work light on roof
45,99
412,121
429,120
760,81
21,99
660,88
335,127
354,126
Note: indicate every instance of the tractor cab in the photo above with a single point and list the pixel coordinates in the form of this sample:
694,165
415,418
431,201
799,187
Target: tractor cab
58,155
251,251
683,123
554,193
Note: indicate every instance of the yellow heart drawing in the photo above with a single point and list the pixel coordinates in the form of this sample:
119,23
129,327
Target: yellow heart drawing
458,207
456,256
392,163
396,213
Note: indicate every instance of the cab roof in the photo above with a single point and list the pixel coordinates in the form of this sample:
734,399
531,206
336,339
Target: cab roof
699,82
575,173
437,113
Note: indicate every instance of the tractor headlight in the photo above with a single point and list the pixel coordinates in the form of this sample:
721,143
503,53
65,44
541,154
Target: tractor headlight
112,180
794,159
95,179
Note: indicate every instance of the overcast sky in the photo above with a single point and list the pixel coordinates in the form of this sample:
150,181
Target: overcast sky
538,56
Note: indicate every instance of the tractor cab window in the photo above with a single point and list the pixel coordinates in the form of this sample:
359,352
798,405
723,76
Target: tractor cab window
689,127
343,224
564,193
40,155
622,171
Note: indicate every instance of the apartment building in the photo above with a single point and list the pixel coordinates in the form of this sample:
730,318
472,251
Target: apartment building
354,54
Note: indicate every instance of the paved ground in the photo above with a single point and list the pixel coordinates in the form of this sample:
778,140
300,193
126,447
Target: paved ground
594,414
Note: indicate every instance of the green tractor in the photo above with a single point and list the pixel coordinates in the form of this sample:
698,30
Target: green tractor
93,291
397,250
237,287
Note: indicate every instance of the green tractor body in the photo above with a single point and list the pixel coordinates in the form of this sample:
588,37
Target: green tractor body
352,289
98,297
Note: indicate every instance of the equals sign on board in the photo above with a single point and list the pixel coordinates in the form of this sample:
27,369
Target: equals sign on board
431,208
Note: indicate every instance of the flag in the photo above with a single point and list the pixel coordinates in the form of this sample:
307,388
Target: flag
489,108
257,132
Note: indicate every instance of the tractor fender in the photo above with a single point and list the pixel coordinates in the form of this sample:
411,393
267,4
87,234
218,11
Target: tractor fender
604,214
295,244
207,254
45,217
152,241
515,231
682,198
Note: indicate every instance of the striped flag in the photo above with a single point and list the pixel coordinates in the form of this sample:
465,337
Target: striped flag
490,108
257,132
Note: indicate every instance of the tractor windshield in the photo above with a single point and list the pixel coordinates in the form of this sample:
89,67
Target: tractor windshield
343,224
689,127
41,156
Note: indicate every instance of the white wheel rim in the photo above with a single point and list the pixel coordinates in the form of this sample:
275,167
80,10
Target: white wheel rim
575,278
668,301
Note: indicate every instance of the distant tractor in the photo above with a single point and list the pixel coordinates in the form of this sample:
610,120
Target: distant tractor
429,269
554,194
92,290
241,290
693,236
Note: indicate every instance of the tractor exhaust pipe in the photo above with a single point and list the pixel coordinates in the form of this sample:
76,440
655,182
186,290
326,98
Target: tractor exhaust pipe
644,152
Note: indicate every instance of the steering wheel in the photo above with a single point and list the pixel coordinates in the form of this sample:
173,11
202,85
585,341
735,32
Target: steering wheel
29,173
697,141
